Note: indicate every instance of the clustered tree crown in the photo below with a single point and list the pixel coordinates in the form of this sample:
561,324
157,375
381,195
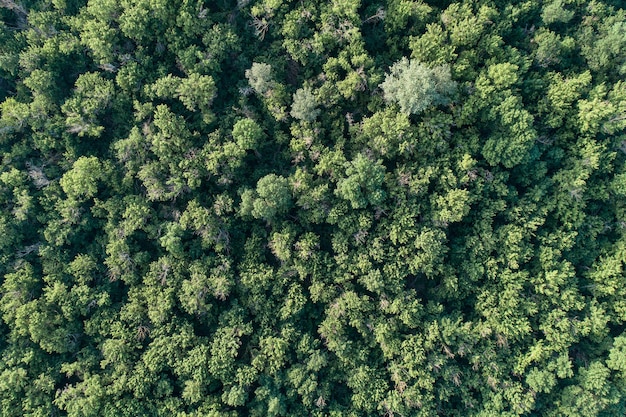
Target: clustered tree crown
312,208
416,87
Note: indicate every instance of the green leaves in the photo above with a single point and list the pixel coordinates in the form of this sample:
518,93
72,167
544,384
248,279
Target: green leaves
260,77
271,198
510,145
312,208
415,87
556,12
195,92
92,96
248,134
363,182
304,105
81,182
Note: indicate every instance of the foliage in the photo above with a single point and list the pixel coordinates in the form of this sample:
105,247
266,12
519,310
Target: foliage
324,208
415,87
304,105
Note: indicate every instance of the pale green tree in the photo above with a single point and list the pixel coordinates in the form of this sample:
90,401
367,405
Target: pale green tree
415,87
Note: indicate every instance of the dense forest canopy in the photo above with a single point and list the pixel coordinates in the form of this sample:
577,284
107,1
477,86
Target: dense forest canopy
312,208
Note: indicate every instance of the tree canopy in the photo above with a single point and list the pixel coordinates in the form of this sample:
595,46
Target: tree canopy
312,208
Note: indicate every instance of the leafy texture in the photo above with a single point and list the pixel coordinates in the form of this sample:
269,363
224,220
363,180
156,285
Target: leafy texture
415,87
312,208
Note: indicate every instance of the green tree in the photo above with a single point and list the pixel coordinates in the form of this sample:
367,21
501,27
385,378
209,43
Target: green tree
555,12
81,182
363,183
229,208
248,134
260,77
416,87
304,105
271,198
92,96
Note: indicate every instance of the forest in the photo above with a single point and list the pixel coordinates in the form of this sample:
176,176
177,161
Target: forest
343,208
